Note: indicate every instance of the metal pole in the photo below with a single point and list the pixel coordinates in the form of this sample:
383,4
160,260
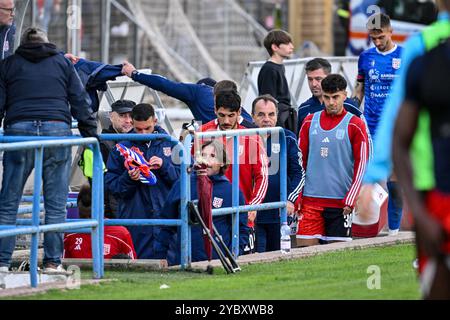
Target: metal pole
38,160
226,40
136,46
33,12
74,26
186,255
97,213
235,198
283,176
106,27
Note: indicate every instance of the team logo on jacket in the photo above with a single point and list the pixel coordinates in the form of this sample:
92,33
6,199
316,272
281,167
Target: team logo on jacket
324,152
167,151
396,62
217,202
276,148
340,134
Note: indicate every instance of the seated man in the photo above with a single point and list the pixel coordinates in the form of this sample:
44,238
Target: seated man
138,200
168,241
117,239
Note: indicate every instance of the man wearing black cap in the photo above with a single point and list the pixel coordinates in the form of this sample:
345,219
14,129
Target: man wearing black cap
121,122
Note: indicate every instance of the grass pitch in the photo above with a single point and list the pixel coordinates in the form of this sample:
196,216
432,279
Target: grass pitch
337,275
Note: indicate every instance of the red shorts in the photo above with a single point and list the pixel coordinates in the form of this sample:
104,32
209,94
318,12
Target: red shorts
438,206
317,222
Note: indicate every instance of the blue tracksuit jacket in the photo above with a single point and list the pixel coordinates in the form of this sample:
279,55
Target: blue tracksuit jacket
140,201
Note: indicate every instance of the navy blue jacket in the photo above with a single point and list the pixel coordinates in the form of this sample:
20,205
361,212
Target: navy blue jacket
313,105
198,97
38,83
141,201
295,176
94,76
7,35
168,239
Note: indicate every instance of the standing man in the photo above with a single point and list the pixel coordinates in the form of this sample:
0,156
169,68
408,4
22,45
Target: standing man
426,85
253,169
7,28
138,200
380,167
377,69
334,146
272,79
264,111
48,111
199,97
316,70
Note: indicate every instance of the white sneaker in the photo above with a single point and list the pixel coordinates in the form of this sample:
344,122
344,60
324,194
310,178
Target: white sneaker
4,269
393,232
54,268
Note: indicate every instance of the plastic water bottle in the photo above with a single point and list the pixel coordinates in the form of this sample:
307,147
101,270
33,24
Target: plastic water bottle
285,241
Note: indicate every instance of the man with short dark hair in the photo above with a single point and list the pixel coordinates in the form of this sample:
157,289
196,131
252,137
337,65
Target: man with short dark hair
334,146
380,167
136,199
316,70
198,96
40,92
377,69
264,111
253,170
272,79
7,27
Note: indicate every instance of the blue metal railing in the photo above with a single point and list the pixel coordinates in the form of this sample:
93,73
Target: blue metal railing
236,208
185,161
95,224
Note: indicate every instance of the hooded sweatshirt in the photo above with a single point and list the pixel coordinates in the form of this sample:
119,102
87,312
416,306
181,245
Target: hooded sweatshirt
38,83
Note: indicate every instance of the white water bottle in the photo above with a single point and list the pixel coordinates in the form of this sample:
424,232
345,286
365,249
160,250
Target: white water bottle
285,241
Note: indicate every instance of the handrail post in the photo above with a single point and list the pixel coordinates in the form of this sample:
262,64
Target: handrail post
235,197
97,213
283,175
185,196
38,162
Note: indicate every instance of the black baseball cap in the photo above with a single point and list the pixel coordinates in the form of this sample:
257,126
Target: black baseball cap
208,81
123,106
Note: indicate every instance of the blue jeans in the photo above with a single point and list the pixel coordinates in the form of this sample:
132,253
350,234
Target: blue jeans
17,166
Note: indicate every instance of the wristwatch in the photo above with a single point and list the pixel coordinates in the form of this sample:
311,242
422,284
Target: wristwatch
134,73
